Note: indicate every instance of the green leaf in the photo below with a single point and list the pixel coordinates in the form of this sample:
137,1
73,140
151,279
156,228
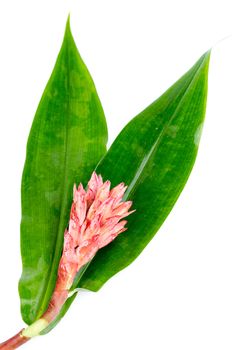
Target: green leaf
153,155
67,139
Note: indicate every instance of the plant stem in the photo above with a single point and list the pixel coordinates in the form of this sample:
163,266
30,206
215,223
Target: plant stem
57,301
14,342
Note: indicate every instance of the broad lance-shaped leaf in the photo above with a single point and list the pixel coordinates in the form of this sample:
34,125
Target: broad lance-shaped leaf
153,155
67,139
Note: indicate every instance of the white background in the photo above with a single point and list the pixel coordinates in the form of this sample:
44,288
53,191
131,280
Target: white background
178,294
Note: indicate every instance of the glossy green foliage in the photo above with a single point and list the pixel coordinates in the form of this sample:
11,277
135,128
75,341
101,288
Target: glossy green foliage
67,139
153,155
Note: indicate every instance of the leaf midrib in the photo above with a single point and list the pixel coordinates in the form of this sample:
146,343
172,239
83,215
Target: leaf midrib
133,185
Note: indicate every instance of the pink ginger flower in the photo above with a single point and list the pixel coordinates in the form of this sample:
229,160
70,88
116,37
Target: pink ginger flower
95,221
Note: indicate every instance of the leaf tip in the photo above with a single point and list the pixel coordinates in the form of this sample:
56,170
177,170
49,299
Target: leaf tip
207,54
206,57
68,40
68,30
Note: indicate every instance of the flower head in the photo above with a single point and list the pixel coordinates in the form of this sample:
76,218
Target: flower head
95,220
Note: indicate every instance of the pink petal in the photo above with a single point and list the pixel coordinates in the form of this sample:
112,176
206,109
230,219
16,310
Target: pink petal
122,208
118,192
93,185
103,191
81,204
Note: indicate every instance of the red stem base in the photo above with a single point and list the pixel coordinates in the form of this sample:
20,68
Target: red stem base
14,342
